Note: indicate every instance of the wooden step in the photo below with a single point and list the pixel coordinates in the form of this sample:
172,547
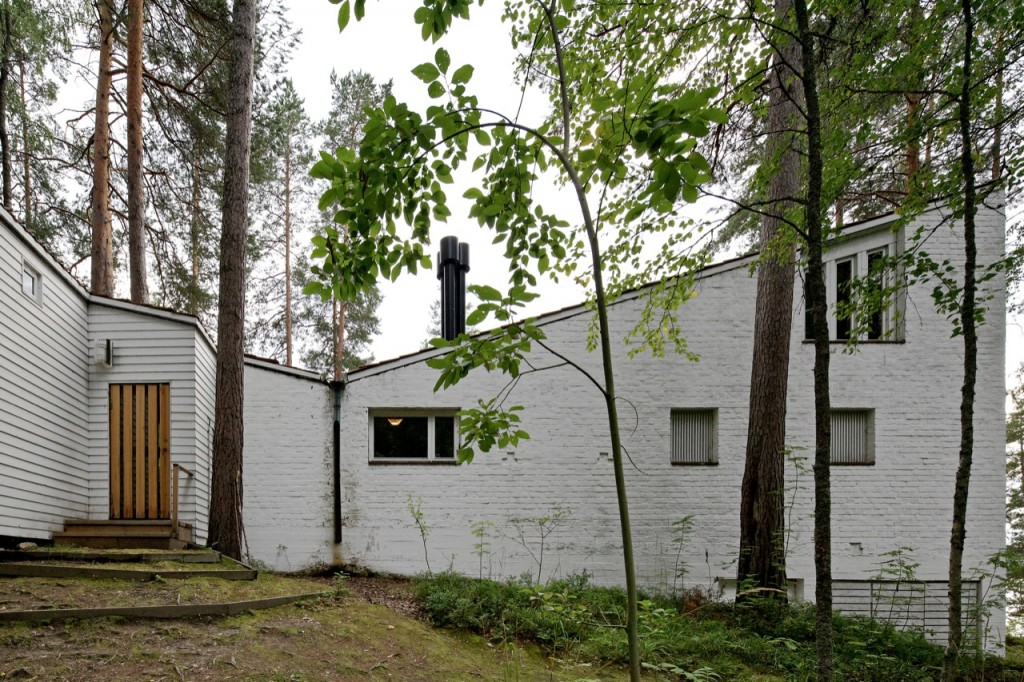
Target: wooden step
158,541
124,534
192,556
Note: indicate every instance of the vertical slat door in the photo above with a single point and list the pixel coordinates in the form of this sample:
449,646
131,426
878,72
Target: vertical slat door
140,462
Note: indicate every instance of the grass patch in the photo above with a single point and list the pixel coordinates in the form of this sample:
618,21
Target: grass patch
575,621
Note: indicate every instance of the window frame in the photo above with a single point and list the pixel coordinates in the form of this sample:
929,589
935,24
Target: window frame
31,274
712,458
859,250
431,415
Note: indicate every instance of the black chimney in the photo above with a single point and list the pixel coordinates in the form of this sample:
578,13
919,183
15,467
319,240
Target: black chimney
452,266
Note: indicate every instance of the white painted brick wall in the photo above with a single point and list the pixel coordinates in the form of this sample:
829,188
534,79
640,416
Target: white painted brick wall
287,469
904,500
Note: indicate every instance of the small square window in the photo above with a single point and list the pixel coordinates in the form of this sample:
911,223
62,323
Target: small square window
694,440
31,282
412,435
853,437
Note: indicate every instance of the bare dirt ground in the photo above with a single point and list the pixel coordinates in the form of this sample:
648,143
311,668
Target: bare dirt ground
372,631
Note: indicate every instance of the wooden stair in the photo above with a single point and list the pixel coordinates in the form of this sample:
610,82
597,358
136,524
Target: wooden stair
124,534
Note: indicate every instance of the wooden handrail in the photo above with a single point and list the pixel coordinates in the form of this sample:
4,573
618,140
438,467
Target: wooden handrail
174,519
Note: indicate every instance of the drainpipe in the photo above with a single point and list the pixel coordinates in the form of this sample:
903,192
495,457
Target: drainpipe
336,387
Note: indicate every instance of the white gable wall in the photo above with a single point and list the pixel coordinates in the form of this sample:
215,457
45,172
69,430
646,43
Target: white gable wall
903,500
44,467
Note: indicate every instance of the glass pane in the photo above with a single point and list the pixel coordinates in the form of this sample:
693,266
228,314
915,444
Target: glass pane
28,282
444,437
808,317
400,437
876,273
844,277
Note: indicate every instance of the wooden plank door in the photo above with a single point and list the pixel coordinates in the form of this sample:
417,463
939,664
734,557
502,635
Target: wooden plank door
140,451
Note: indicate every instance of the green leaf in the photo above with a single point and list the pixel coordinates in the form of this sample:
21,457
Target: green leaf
426,72
343,15
716,115
476,317
436,89
360,9
462,74
442,59
486,293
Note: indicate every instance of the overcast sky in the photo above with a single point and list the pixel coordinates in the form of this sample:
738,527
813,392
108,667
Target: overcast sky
387,45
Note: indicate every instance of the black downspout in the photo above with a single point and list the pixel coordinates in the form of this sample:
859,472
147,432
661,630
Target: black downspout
336,469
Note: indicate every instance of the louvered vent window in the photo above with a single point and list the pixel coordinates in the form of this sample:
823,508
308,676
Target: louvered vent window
693,437
853,437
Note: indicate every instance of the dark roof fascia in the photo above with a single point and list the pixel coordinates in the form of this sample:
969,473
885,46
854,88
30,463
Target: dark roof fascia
294,372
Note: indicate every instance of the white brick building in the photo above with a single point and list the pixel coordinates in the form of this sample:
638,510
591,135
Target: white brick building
684,427
902,393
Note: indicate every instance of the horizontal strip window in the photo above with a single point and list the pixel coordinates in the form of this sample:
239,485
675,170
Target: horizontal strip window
413,436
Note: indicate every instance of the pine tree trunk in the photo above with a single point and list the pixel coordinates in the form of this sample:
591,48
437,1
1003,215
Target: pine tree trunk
822,401
762,560
102,234
194,235
958,532
5,82
226,530
136,190
25,153
288,251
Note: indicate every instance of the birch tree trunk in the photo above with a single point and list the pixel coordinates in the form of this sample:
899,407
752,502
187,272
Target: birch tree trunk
816,296
958,533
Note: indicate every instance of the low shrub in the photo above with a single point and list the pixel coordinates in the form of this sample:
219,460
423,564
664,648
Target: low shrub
573,619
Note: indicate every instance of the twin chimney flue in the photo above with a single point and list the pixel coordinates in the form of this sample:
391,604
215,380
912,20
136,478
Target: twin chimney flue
452,266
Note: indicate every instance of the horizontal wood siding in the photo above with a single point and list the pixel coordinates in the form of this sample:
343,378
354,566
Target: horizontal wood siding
206,375
44,379
148,348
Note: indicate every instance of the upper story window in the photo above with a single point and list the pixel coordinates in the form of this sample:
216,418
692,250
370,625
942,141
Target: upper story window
31,282
859,292
413,435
